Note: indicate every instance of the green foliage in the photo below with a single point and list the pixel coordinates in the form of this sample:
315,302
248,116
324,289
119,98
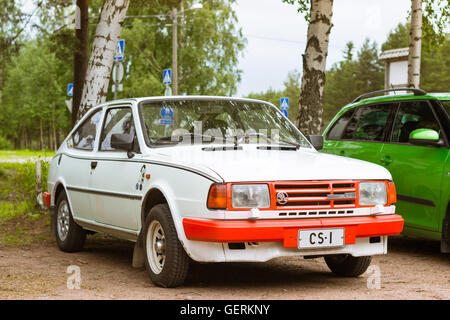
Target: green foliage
291,90
21,221
349,78
303,6
35,91
208,49
5,144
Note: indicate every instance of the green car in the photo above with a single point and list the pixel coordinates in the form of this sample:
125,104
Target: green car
408,134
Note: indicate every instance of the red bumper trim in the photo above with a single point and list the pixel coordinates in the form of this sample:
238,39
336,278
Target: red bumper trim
286,231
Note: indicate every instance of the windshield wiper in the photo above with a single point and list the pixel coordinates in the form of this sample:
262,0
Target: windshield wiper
270,140
175,139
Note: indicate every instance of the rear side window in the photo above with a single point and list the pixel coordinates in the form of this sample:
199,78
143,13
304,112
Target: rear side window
84,137
413,115
368,123
446,104
339,126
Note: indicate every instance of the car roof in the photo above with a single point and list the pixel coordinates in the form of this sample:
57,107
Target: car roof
398,97
193,97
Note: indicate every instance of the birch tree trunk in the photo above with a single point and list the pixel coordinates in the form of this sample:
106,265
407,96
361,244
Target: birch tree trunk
415,44
100,63
314,62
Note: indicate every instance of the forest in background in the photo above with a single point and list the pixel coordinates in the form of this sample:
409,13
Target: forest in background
36,64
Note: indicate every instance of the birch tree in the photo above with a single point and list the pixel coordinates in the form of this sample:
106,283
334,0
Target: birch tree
430,18
415,44
314,62
104,46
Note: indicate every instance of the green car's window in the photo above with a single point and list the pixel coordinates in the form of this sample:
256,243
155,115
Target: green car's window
338,128
368,123
446,104
413,115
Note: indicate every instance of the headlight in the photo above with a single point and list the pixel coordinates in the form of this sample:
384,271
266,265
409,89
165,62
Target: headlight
372,193
250,196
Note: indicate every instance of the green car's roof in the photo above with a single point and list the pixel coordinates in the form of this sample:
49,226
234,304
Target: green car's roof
399,97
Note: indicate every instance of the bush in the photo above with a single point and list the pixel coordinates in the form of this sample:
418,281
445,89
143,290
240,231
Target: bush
5,144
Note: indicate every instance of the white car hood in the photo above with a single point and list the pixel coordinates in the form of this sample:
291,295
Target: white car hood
251,164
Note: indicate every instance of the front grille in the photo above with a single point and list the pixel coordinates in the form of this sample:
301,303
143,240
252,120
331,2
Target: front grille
311,195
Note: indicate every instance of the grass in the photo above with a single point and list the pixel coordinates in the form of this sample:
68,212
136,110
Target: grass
20,154
21,221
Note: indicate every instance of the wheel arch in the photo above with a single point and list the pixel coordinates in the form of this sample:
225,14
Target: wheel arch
58,189
153,197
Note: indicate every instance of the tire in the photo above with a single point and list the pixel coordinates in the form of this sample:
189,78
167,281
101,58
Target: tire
70,237
165,259
346,265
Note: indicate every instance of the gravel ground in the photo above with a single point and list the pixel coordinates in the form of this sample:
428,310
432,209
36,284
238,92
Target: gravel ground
412,269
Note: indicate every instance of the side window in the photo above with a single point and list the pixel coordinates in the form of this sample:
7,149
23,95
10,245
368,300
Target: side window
118,121
84,137
446,104
339,126
368,123
413,115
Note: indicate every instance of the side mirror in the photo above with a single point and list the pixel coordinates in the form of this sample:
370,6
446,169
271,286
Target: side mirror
425,137
122,142
316,141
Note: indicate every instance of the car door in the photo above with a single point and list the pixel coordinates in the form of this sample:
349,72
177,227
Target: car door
76,166
360,132
416,170
117,179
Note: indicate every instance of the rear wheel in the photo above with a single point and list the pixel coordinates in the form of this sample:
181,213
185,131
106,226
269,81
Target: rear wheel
347,265
166,261
70,237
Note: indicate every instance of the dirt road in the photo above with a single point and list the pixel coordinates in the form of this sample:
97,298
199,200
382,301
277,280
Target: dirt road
413,269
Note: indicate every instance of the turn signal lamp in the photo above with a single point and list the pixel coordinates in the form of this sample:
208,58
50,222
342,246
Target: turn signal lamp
217,198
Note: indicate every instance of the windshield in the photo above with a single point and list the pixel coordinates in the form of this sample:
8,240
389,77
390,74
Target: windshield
216,121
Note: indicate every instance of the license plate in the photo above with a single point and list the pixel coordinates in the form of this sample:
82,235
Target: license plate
321,238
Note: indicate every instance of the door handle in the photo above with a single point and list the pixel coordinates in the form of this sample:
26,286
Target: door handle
93,165
386,160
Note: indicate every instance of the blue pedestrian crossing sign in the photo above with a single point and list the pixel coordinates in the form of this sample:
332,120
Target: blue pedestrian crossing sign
284,103
70,89
167,77
120,50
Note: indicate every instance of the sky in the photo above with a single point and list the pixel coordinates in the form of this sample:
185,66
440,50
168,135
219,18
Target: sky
276,36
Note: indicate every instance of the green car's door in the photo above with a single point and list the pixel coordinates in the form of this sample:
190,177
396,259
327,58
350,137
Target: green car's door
416,170
359,132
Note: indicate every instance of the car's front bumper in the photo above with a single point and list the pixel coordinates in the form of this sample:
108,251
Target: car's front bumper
286,230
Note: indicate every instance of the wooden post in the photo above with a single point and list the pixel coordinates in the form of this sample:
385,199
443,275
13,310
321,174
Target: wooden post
39,195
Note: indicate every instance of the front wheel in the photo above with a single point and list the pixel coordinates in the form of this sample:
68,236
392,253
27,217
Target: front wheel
347,265
166,261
